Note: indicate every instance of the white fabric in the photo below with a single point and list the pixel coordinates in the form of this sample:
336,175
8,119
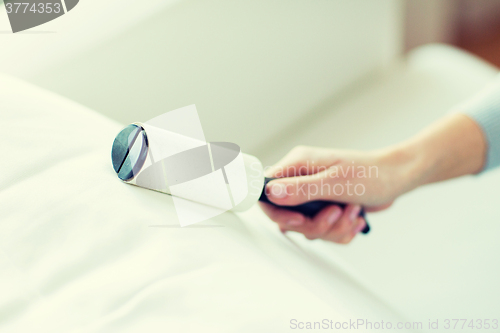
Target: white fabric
81,251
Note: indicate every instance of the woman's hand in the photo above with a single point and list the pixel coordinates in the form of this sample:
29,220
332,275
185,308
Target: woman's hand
451,147
364,179
372,179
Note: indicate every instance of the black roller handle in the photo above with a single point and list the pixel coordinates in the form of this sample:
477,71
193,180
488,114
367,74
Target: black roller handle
311,208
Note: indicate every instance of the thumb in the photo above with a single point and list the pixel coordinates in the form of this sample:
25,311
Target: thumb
292,191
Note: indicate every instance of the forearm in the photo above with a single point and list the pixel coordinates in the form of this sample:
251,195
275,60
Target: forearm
452,147
457,145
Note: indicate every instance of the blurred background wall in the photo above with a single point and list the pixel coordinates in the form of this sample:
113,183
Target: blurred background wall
473,25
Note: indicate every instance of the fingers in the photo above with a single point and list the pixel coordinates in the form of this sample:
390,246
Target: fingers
325,185
360,225
330,224
287,220
314,228
347,227
323,222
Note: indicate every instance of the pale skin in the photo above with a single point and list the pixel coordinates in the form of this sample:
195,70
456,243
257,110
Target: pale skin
452,147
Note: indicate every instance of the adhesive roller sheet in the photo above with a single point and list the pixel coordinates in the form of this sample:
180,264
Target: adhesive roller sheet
169,154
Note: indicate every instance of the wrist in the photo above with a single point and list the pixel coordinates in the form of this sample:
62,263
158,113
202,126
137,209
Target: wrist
452,147
407,165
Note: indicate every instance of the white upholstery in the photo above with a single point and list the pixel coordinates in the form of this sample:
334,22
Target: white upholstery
81,251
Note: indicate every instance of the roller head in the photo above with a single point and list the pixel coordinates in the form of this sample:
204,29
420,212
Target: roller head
129,152
187,168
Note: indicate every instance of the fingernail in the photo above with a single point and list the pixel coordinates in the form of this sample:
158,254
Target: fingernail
278,191
334,215
355,212
295,223
360,227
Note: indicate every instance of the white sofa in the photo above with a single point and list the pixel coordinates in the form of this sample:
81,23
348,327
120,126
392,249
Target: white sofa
82,252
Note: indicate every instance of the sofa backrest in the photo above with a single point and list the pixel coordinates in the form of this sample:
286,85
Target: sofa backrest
253,68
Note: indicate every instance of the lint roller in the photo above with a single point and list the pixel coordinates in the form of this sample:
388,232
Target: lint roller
310,208
169,154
